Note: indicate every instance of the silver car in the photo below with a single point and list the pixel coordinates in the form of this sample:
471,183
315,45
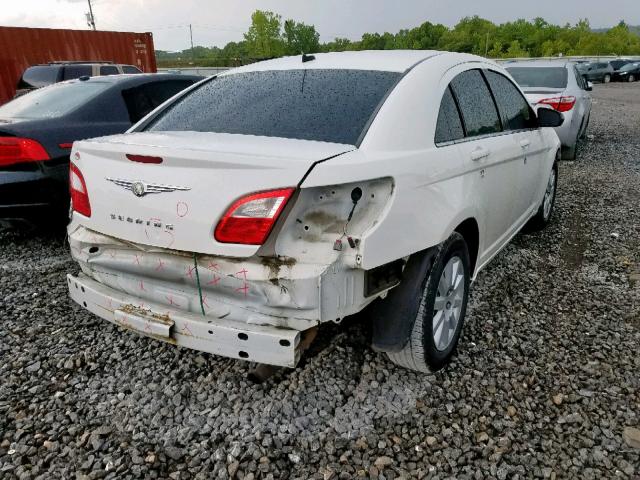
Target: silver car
557,84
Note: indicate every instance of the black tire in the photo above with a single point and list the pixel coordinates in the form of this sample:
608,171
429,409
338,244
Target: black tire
540,220
586,127
420,353
631,78
570,153
606,78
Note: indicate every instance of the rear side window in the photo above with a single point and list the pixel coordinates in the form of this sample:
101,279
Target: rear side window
39,76
476,104
514,109
130,69
144,98
449,127
328,105
109,70
579,78
545,77
77,71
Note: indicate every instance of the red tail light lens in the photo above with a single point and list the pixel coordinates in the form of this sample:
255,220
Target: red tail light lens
561,104
79,194
20,150
250,219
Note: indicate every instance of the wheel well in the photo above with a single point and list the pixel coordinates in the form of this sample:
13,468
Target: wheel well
469,231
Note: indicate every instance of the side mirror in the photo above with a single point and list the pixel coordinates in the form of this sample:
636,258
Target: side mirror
589,86
549,118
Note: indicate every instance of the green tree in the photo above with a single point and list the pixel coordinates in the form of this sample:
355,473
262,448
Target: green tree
264,39
300,38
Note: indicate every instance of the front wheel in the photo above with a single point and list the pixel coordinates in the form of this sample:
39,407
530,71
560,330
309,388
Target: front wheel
631,78
542,218
607,78
437,326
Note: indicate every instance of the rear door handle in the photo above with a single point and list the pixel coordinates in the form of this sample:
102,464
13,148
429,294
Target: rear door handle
479,153
525,143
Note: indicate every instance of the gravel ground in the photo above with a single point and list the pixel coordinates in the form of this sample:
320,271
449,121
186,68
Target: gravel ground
545,382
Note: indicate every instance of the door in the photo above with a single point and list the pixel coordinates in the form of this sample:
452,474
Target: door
583,100
520,124
493,159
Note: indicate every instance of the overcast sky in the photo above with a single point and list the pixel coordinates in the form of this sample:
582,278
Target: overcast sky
216,22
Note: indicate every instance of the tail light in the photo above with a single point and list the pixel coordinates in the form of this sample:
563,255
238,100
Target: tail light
561,104
79,194
20,150
250,219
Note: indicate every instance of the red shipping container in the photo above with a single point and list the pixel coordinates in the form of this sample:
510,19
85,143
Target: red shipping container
22,47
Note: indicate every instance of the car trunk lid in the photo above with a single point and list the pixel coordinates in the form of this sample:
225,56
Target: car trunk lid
170,189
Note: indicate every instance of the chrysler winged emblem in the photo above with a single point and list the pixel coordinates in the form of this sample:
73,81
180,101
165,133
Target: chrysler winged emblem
140,188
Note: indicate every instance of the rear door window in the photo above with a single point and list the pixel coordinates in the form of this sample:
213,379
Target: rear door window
449,127
513,107
77,71
109,70
130,69
143,99
476,104
329,105
39,76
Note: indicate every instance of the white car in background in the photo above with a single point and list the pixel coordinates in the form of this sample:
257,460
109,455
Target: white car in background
277,196
559,85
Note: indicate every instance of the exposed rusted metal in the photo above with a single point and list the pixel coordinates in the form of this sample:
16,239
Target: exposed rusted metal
261,371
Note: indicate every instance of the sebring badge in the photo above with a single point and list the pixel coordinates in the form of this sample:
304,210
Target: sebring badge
140,188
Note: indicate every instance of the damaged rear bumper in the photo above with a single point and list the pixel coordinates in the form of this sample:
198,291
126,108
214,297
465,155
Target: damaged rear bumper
257,343
253,309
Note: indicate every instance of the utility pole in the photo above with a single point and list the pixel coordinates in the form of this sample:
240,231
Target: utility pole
91,19
193,54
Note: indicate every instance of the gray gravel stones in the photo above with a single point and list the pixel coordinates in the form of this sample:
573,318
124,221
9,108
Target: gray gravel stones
546,382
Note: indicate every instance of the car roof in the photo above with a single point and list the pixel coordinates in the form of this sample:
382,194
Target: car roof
538,63
382,60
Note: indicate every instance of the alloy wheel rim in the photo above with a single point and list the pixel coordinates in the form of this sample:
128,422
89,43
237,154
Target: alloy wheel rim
447,307
548,194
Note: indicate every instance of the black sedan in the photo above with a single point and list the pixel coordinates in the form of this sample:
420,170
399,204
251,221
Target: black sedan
38,129
628,73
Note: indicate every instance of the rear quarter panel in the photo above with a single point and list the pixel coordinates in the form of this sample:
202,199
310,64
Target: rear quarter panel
433,193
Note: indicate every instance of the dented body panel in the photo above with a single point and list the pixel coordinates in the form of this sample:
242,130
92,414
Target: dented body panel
250,295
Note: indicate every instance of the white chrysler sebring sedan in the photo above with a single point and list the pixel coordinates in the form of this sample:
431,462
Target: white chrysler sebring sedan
252,207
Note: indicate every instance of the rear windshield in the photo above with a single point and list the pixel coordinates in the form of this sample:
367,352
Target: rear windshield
324,105
544,77
53,101
39,76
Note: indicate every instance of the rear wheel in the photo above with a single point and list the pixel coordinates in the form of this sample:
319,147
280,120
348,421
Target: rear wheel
542,218
437,326
631,78
570,153
607,78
